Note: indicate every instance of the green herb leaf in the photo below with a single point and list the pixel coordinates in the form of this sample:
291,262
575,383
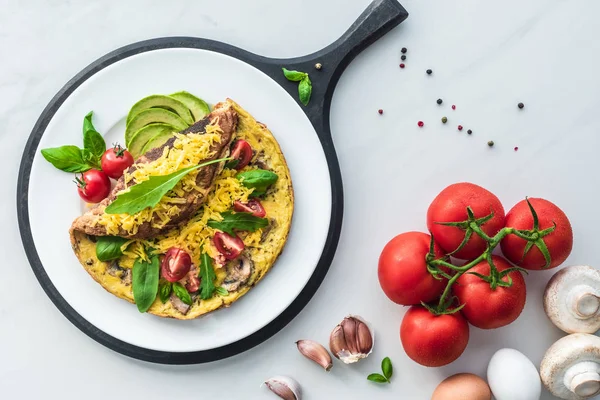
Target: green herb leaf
182,293
305,90
294,76
386,368
92,140
207,277
148,193
241,221
258,179
164,290
67,158
145,282
221,291
377,378
232,164
109,247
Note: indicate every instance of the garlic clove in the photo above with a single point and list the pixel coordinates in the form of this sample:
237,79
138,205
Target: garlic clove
351,340
316,352
284,387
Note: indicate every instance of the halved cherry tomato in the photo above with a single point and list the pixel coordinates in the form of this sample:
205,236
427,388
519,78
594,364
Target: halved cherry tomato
242,153
93,186
229,246
116,160
253,206
175,265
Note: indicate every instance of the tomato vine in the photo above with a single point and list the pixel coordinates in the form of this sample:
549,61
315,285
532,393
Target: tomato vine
439,268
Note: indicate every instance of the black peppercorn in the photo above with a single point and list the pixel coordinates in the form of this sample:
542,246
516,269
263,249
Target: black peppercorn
439,101
404,50
491,143
469,131
403,58
429,72
521,105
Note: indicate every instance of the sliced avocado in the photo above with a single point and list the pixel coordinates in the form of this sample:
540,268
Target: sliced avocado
197,106
151,116
157,140
160,101
147,133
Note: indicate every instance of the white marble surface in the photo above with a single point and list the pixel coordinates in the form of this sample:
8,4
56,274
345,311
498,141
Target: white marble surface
486,57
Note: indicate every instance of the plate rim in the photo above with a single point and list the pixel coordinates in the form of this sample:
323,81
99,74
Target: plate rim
134,351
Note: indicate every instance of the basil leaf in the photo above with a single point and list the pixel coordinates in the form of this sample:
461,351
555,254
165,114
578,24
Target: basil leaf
148,193
92,140
145,282
182,293
386,367
377,378
109,247
67,158
241,221
305,90
207,277
164,290
221,291
294,76
258,179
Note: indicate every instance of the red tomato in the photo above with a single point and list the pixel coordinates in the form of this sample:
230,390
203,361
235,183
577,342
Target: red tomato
175,265
253,206
242,153
402,271
115,161
93,186
229,246
488,308
559,242
192,283
451,206
433,340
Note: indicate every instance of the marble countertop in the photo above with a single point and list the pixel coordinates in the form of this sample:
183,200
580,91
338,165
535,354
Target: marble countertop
485,56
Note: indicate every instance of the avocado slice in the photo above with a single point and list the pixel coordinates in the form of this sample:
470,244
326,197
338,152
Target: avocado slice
157,140
151,116
160,101
197,106
146,134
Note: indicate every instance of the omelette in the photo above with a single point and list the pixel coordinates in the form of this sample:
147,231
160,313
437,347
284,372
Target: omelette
218,225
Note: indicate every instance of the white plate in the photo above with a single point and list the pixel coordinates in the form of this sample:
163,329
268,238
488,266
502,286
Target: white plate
54,204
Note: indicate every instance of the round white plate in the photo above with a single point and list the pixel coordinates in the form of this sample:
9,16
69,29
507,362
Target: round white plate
53,202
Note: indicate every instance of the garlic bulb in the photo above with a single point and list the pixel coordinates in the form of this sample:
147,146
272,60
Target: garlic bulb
570,368
284,387
351,340
316,352
572,299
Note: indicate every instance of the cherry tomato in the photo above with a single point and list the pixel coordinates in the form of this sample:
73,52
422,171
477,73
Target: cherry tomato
559,242
229,246
451,206
433,340
175,265
115,161
402,271
242,153
488,308
93,186
253,206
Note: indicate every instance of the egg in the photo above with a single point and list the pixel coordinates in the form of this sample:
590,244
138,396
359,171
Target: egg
462,387
512,376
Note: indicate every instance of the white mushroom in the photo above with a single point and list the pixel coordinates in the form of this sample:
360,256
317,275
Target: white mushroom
238,273
570,368
572,299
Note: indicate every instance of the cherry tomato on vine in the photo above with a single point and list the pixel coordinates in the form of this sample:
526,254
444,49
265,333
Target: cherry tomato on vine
450,205
116,160
488,308
93,186
402,270
559,242
242,153
433,340
175,265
